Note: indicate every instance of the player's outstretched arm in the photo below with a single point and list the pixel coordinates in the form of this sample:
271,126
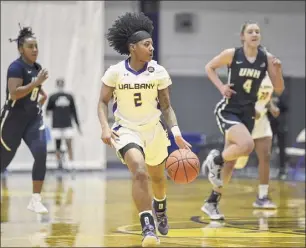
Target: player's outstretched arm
275,73
170,118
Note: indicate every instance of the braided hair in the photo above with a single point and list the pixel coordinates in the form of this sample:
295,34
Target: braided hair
24,33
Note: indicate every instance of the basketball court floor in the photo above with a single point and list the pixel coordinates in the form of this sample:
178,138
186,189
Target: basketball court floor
96,210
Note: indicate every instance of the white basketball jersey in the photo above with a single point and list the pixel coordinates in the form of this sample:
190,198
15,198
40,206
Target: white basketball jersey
264,95
136,93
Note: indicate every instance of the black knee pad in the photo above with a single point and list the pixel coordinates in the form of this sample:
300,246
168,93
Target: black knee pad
124,149
58,143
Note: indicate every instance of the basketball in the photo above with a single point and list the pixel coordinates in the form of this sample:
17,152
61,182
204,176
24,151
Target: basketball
183,166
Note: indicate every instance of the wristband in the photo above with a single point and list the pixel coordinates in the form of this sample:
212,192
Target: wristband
176,131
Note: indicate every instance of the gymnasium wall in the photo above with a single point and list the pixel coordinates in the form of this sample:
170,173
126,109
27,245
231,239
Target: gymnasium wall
70,40
216,27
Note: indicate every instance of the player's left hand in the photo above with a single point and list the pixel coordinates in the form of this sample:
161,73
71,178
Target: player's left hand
276,62
181,143
274,111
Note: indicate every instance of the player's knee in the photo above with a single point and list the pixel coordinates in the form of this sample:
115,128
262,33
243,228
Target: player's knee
140,174
247,146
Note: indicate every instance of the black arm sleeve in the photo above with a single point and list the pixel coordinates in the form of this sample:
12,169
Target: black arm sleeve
73,110
50,105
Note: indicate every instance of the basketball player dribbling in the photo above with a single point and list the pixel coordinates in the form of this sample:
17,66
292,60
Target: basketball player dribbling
139,87
235,113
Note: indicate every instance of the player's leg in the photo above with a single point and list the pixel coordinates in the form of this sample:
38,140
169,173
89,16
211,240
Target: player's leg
68,136
281,142
69,147
57,136
12,125
58,143
262,135
134,158
238,143
35,139
156,153
159,181
129,148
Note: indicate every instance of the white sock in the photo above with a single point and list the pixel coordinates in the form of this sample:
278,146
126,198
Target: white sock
158,200
263,190
147,211
36,196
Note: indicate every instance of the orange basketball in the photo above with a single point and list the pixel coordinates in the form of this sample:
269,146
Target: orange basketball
183,166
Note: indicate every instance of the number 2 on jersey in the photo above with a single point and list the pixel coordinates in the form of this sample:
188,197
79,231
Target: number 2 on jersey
247,86
34,94
137,99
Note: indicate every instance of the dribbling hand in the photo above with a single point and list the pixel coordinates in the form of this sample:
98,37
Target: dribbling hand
226,90
108,135
181,143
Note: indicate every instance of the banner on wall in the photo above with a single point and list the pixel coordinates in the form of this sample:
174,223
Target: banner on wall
71,46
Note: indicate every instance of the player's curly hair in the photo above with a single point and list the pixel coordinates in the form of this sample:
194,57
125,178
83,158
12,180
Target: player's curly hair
124,27
24,33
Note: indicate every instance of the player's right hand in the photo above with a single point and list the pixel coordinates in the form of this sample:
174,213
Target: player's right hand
42,76
109,136
226,90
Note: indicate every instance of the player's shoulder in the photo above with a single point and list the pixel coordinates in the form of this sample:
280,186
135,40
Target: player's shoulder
153,66
16,65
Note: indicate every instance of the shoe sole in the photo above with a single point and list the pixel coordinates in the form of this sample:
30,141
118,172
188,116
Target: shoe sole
206,212
31,209
150,241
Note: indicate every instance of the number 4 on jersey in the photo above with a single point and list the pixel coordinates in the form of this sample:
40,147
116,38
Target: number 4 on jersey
247,86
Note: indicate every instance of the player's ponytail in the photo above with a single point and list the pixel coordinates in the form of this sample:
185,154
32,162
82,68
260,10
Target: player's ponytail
24,33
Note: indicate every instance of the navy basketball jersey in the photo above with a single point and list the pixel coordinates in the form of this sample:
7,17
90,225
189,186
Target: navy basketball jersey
246,77
28,73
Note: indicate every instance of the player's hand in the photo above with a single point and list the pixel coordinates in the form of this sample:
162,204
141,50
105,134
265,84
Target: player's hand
109,136
42,100
276,62
226,90
42,76
257,115
181,143
274,111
